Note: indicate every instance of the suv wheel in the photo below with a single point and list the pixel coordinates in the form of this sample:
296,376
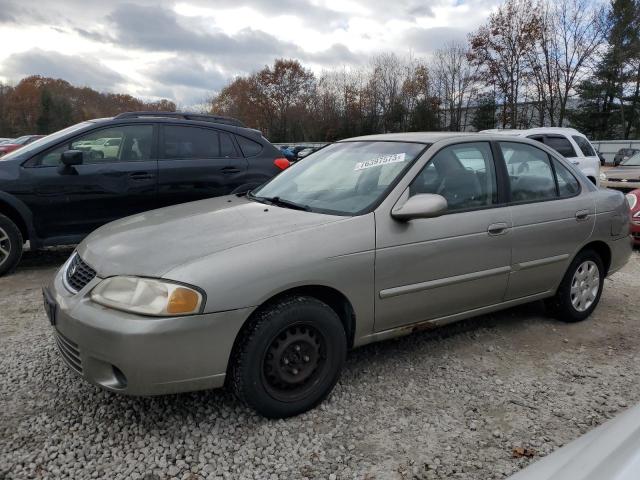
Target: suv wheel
290,357
10,245
580,290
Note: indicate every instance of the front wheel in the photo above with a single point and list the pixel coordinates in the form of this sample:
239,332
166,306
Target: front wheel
580,290
289,358
11,243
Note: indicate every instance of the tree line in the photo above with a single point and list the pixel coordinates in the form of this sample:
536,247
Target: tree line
533,63
41,105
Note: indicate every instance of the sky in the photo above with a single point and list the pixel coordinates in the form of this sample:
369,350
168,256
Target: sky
187,50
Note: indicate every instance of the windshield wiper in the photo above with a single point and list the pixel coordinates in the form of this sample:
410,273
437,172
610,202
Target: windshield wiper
281,202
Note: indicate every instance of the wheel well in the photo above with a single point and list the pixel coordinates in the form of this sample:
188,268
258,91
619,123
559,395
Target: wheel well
11,213
603,250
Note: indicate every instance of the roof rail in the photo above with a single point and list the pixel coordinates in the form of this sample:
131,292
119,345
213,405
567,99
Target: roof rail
184,115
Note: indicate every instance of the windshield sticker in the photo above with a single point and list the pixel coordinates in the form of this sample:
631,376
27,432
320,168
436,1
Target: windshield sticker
381,160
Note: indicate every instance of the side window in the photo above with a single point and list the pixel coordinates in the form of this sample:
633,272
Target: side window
248,147
568,185
585,146
126,143
464,174
190,143
561,145
227,148
530,174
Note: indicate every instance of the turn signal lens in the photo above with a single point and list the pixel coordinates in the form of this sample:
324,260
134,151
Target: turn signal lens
183,300
282,163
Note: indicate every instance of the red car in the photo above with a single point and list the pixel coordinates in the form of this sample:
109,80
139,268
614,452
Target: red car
18,143
634,202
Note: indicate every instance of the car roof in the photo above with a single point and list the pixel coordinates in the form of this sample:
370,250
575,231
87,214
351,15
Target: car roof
530,131
417,137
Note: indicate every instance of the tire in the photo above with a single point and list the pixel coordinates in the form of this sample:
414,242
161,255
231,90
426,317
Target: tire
11,244
289,357
579,293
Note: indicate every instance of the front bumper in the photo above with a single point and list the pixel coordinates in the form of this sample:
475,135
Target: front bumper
137,355
618,185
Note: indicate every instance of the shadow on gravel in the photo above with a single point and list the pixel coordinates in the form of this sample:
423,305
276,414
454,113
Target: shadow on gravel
49,257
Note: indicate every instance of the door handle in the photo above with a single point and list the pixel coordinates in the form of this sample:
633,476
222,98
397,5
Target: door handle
582,215
141,176
230,170
498,228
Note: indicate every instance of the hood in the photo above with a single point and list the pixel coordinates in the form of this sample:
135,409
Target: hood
154,242
611,451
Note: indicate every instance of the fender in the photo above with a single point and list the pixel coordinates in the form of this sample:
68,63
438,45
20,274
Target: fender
25,214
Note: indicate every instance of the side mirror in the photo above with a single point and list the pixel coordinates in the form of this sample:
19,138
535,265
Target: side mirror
71,157
424,205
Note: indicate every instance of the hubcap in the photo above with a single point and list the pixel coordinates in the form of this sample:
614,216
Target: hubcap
585,285
294,361
5,246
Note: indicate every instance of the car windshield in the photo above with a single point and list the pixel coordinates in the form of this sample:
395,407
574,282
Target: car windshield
345,178
632,161
45,140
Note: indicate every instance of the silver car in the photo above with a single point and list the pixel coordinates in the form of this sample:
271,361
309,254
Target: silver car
371,238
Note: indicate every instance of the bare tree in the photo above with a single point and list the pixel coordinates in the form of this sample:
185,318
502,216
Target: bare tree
455,78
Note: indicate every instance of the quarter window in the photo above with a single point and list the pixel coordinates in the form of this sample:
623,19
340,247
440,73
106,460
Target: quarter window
464,174
568,185
530,174
561,145
248,147
190,143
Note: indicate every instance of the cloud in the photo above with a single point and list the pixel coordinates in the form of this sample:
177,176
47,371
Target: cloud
427,40
186,72
73,68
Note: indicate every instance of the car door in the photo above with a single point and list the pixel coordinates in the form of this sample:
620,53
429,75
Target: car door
74,200
197,162
437,267
550,219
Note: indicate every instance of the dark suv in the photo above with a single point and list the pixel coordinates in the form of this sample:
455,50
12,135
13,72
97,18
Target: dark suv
58,189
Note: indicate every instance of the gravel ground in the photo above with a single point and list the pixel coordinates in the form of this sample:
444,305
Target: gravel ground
447,404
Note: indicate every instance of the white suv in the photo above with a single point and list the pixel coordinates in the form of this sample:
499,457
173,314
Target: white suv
569,142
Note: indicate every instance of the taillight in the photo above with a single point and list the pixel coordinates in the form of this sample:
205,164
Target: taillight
282,163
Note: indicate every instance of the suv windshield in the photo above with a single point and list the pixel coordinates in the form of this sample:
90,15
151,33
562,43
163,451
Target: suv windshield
633,161
45,140
344,178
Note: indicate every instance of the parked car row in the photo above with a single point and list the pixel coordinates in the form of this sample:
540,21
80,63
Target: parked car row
9,145
58,189
298,152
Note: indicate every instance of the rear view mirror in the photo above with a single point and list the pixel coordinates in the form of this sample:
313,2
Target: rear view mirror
71,157
424,205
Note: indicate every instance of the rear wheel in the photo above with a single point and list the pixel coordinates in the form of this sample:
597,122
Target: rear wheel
11,243
289,358
580,290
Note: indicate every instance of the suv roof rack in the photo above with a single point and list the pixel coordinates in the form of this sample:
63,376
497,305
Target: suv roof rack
184,115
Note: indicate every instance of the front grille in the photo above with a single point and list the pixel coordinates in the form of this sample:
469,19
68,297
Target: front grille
69,351
78,274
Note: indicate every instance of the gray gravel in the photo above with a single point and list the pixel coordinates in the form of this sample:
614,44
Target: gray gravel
447,404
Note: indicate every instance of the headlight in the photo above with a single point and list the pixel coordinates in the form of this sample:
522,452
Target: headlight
633,201
147,296
603,176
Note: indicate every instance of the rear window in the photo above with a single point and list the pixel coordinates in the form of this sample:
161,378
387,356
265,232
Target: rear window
561,145
584,146
249,147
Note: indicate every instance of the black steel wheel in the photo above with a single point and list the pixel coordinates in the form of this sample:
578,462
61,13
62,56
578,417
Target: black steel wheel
289,357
